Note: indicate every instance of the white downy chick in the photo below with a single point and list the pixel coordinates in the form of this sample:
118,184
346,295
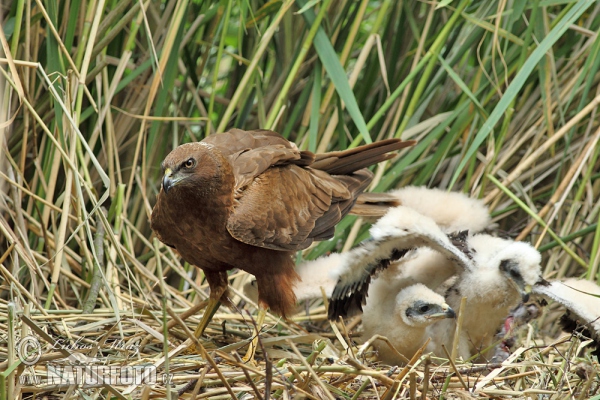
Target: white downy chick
503,273
398,232
403,318
492,274
422,265
452,211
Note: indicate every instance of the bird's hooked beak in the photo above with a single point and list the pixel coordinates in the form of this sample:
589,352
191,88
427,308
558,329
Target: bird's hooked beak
447,312
169,180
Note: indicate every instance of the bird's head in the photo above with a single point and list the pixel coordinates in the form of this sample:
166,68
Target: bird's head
520,262
197,165
419,306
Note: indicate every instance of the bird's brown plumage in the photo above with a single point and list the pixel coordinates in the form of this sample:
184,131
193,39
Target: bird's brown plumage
249,199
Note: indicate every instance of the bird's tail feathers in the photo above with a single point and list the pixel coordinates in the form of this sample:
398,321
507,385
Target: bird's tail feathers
374,204
348,161
277,291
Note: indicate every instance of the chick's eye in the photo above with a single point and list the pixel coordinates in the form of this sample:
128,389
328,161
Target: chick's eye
424,309
514,273
190,163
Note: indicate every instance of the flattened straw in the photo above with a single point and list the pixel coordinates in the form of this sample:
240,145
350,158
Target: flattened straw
347,338
426,378
165,343
369,342
55,355
413,386
359,369
186,314
268,366
310,370
586,387
361,389
203,351
199,382
262,373
247,375
458,374
145,395
338,334
412,361
297,375
353,322
66,353
459,322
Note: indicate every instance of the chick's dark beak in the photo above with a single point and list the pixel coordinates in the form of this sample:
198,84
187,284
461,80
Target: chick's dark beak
167,182
450,313
446,312
525,293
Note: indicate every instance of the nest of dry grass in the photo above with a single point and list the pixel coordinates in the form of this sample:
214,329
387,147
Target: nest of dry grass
502,97
305,357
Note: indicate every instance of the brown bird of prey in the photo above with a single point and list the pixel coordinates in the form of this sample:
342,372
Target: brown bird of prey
249,200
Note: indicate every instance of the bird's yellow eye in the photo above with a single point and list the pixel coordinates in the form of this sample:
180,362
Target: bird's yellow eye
190,163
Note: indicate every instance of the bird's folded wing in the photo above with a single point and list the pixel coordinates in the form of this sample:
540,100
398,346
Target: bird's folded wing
236,140
288,207
399,231
253,152
250,163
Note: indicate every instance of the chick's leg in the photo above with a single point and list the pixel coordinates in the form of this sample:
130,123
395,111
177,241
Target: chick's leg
260,318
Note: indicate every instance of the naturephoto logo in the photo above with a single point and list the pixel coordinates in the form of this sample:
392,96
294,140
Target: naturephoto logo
29,350
81,370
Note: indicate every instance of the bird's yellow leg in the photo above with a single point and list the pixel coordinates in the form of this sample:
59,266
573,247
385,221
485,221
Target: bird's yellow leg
217,281
260,318
209,312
